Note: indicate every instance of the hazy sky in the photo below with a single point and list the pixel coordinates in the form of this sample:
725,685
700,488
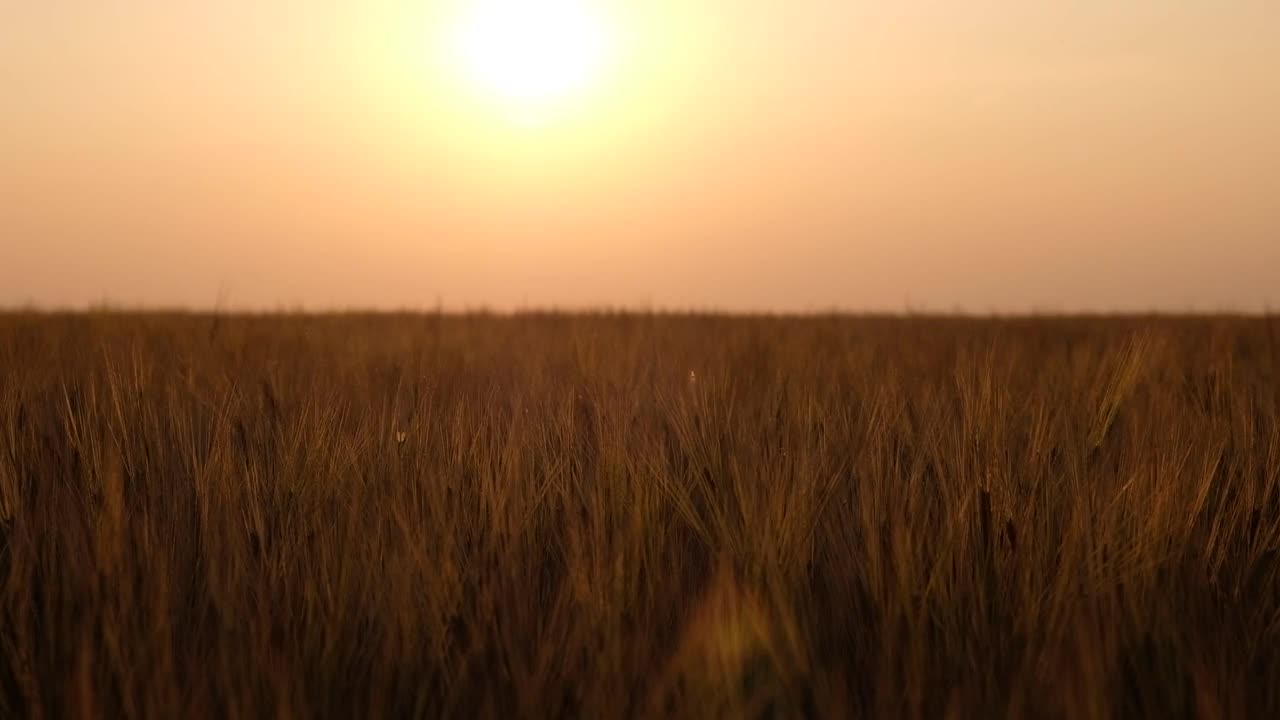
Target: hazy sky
864,154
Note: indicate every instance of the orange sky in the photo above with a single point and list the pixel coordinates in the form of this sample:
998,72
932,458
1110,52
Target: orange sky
987,155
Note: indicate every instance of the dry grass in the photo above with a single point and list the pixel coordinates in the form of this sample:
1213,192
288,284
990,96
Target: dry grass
418,516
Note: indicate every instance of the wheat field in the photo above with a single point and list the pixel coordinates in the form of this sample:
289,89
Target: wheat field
638,515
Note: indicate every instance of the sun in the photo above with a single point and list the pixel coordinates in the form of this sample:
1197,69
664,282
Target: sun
531,56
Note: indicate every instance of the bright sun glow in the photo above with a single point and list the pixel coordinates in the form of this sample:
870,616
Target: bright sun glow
531,56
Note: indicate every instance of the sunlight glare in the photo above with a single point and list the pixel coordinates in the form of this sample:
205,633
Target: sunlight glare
531,56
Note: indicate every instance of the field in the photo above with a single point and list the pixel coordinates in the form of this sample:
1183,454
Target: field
637,516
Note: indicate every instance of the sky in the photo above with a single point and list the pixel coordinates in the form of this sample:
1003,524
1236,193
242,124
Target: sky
738,155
